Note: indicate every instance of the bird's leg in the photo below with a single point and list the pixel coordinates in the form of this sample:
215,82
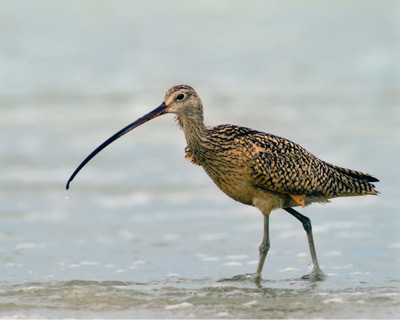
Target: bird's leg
264,247
316,273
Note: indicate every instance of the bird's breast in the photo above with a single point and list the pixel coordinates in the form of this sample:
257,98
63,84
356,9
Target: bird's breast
229,170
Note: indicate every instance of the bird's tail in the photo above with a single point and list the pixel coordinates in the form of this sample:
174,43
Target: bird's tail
354,182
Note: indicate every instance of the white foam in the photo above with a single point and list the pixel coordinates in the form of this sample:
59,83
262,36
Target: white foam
333,300
223,314
250,303
390,294
232,264
172,275
210,259
28,245
120,271
183,305
288,270
302,255
358,272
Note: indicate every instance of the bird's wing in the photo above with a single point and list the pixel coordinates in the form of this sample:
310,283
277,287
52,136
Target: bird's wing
283,166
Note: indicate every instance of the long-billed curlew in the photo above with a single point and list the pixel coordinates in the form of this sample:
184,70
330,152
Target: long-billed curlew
255,168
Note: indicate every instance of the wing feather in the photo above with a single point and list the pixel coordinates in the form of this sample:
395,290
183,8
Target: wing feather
283,166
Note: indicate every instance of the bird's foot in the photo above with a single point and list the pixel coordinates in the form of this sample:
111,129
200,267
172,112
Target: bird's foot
316,274
257,278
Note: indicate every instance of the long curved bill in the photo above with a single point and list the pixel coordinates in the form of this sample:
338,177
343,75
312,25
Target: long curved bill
162,109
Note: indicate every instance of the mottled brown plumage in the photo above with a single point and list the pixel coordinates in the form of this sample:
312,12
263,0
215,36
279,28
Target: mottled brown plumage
255,168
274,164
247,164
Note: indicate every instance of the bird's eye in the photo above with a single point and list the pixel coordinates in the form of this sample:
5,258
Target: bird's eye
180,96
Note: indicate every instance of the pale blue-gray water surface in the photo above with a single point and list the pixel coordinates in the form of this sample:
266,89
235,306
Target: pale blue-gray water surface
142,233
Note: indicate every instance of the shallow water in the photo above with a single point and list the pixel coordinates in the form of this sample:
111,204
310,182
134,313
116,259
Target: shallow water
192,298
142,233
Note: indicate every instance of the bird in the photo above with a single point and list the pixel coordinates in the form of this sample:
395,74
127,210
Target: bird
254,168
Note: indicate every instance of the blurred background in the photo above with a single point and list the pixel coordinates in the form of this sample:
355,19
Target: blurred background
142,232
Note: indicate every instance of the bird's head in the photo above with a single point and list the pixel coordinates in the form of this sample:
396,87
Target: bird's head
181,100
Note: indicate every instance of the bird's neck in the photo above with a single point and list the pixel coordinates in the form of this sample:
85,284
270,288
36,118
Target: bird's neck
194,129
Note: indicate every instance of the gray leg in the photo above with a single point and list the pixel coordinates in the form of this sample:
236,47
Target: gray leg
264,247
316,273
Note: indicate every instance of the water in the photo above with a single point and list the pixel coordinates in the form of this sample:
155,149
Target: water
142,233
